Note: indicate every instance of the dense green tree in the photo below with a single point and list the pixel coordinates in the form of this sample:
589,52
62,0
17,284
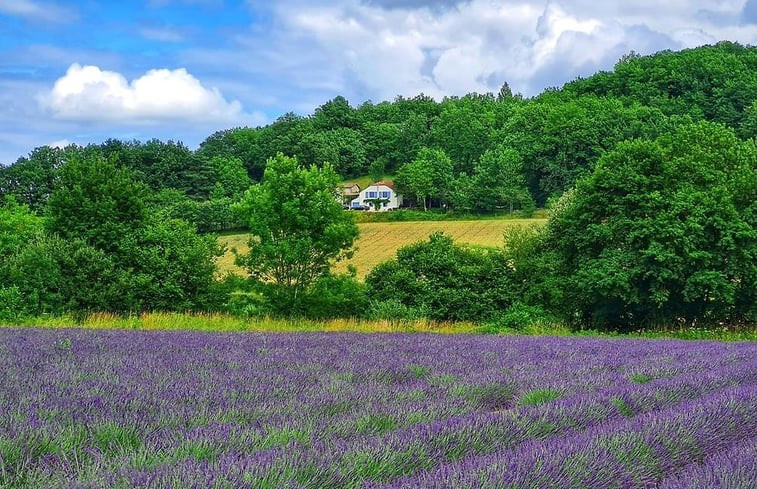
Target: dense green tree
427,177
561,140
18,226
662,231
499,181
172,268
242,143
284,136
335,296
463,129
443,280
297,226
335,114
30,180
231,178
462,193
162,165
342,148
97,201
56,276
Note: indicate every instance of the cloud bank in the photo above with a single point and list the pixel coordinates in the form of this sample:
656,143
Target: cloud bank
89,94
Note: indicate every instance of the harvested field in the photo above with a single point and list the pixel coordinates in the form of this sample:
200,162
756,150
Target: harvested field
380,241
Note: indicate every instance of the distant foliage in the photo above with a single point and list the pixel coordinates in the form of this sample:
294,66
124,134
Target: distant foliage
648,171
717,83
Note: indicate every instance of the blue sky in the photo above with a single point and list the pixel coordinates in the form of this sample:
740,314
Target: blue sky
84,71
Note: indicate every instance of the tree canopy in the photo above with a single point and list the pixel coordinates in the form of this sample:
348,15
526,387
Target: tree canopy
662,231
297,225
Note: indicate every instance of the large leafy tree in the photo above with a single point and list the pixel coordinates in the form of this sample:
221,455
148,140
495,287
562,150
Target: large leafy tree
429,176
297,226
166,264
499,181
31,179
662,231
97,201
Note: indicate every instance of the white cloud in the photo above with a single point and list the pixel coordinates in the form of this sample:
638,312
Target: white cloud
87,93
474,47
381,48
36,10
60,144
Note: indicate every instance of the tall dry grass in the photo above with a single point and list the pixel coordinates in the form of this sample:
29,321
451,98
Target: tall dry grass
170,321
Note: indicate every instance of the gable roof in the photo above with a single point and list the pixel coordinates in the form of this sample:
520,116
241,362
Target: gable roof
386,183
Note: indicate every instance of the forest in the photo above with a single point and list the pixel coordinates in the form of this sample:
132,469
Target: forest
648,172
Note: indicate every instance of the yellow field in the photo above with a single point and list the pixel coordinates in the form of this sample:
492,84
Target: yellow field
379,241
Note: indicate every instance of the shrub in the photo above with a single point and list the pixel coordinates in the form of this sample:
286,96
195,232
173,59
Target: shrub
519,317
393,309
444,280
662,232
335,296
11,304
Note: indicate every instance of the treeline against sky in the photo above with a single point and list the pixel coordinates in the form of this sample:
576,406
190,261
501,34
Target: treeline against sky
486,150
649,172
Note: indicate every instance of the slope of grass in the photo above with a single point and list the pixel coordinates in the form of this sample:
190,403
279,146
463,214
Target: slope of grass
379,241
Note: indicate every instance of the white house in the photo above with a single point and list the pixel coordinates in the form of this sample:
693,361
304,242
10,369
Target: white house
379,196
349,192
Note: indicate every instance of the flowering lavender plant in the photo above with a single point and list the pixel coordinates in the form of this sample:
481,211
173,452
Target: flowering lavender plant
82,408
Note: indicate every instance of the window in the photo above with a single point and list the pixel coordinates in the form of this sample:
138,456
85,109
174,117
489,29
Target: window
372,195
385,195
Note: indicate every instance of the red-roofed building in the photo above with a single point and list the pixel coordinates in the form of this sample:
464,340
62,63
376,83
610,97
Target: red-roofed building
379,196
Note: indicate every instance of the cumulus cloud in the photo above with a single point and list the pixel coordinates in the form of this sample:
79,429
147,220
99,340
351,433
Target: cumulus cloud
87,93
382,48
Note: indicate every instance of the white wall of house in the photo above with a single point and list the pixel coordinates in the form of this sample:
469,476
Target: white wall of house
377,190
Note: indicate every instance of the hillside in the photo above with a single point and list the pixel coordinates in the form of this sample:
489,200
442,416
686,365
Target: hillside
716,83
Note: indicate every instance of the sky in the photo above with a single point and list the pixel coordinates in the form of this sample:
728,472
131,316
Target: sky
85,71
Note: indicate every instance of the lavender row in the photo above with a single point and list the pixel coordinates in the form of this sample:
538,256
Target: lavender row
625,454
426,445
735,468
318,410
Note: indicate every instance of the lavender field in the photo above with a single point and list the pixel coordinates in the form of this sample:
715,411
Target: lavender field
326,410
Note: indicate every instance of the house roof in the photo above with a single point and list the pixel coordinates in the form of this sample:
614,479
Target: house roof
348,187
386,183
